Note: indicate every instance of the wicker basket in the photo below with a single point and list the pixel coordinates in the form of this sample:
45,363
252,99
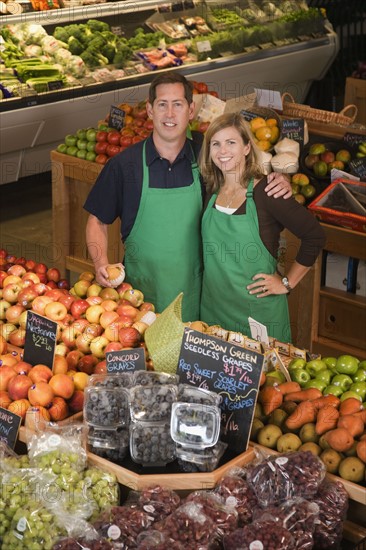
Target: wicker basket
292,109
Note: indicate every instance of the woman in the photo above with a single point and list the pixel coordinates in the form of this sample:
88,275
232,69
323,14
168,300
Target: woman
241,228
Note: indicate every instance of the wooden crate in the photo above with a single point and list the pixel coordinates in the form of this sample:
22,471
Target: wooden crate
72,180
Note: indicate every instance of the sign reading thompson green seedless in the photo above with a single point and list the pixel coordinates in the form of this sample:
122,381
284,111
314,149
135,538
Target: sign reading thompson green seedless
229,370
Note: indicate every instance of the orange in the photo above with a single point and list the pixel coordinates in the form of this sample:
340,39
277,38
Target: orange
263,145
256,123
263,133
271,122
275,134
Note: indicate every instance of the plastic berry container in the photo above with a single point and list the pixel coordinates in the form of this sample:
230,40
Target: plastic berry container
191,394
151,444
153,378
204,460
194,425
106,406
112,380
108,438
152,403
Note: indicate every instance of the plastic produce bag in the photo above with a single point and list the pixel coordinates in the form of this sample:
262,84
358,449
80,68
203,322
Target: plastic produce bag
235,491
224,516
121,525
155,540
155,500
9,460
298,516
332,499
81,536
268,535
278,478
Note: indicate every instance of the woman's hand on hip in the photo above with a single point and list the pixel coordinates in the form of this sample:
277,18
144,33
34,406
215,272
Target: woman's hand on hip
266,285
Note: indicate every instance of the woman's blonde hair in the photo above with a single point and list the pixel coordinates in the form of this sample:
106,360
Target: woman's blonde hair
212,175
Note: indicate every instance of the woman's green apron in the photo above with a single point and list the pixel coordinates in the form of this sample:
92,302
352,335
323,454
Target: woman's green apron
163,251
232,253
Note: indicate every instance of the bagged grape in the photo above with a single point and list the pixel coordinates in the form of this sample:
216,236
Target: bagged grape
267,535
278,478
332,499
11,460
81,536
155,500
236,492
190,526
121,525
224,516
298,516
155,540
81,544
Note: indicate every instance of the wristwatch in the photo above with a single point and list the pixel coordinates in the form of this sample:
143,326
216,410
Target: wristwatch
286,283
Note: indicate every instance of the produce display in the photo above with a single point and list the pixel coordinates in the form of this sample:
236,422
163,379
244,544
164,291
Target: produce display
322,410
321,158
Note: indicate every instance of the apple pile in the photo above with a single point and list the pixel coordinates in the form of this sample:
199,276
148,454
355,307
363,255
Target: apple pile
302,189
91,321
321,160
321,410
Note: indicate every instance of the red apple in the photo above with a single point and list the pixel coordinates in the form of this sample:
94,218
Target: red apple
6,374
64,284
147,306
17,338
109,305
26,297
98,345
83,342
81,287
60,365
78,308
3,275
69,335
107,317
30,276
128,310
101,367
54,293
11,291
87,276
125,321
76,403
18,387
94,300
59,409
109,293
73,357
134,296
4,306
19,407
80,324
87,364
61,349
62,385
30,265
67,300
113,346
40,393
94,289
17,270
129,337
93,313
4,399
93,330
40,268
53,274
40,288
39,303
22,367
13,313
40,373
12,280
6,329
121,289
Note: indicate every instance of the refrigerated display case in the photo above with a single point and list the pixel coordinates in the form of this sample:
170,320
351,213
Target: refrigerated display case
33,125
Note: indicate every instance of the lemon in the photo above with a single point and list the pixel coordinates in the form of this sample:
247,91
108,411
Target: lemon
256,123
263,133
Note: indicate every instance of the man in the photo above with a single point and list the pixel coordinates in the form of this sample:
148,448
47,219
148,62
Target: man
154,187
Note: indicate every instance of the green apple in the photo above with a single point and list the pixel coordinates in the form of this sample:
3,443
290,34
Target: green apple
314,383
325,375
277,375
315,366
360,388
347,364
297,363
301,376
333,390
362,364
345,395
331,363
343,381
360,375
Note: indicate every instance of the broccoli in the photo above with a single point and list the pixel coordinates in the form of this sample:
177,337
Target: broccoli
8,36
93,58
75,46
60,33
123,52
97,26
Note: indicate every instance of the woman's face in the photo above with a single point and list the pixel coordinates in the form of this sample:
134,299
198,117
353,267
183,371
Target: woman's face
228,151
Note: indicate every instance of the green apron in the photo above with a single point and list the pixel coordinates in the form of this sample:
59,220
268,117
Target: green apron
232,253
163,251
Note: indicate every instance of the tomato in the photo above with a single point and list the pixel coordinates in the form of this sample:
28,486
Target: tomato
101,159
125,141
201,87
213,93
90,134
112,150
136,139
128,120
103,126
100,147
137,123
126,108
148,124
127,132
70,140
101,135
202,127
113,137
142,132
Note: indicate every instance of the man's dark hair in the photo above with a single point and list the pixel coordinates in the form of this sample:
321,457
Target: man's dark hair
171,78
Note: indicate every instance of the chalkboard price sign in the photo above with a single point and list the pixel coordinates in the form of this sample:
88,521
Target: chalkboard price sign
358,168
229,370
354,139
125,360
9,427
116,118
40,340
293,128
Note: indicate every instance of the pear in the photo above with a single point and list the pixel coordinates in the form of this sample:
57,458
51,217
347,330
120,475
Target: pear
352,469
312,447
308,434
268,436
331,459
278,417
323,443
352,451
258,412
256,426
288,442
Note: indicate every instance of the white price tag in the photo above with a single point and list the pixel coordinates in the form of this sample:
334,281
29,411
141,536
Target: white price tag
204,46
268,98
258,331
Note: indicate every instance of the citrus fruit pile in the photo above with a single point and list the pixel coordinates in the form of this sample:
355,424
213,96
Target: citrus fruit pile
265,131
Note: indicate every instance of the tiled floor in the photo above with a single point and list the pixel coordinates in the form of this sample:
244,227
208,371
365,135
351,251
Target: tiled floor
26,217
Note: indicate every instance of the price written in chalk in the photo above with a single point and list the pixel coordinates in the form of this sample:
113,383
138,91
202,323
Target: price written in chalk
229,370
40,340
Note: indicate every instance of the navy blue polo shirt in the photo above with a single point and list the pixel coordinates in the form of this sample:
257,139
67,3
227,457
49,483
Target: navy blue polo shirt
117,190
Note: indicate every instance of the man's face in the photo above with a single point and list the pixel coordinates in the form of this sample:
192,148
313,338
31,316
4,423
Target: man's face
170,111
